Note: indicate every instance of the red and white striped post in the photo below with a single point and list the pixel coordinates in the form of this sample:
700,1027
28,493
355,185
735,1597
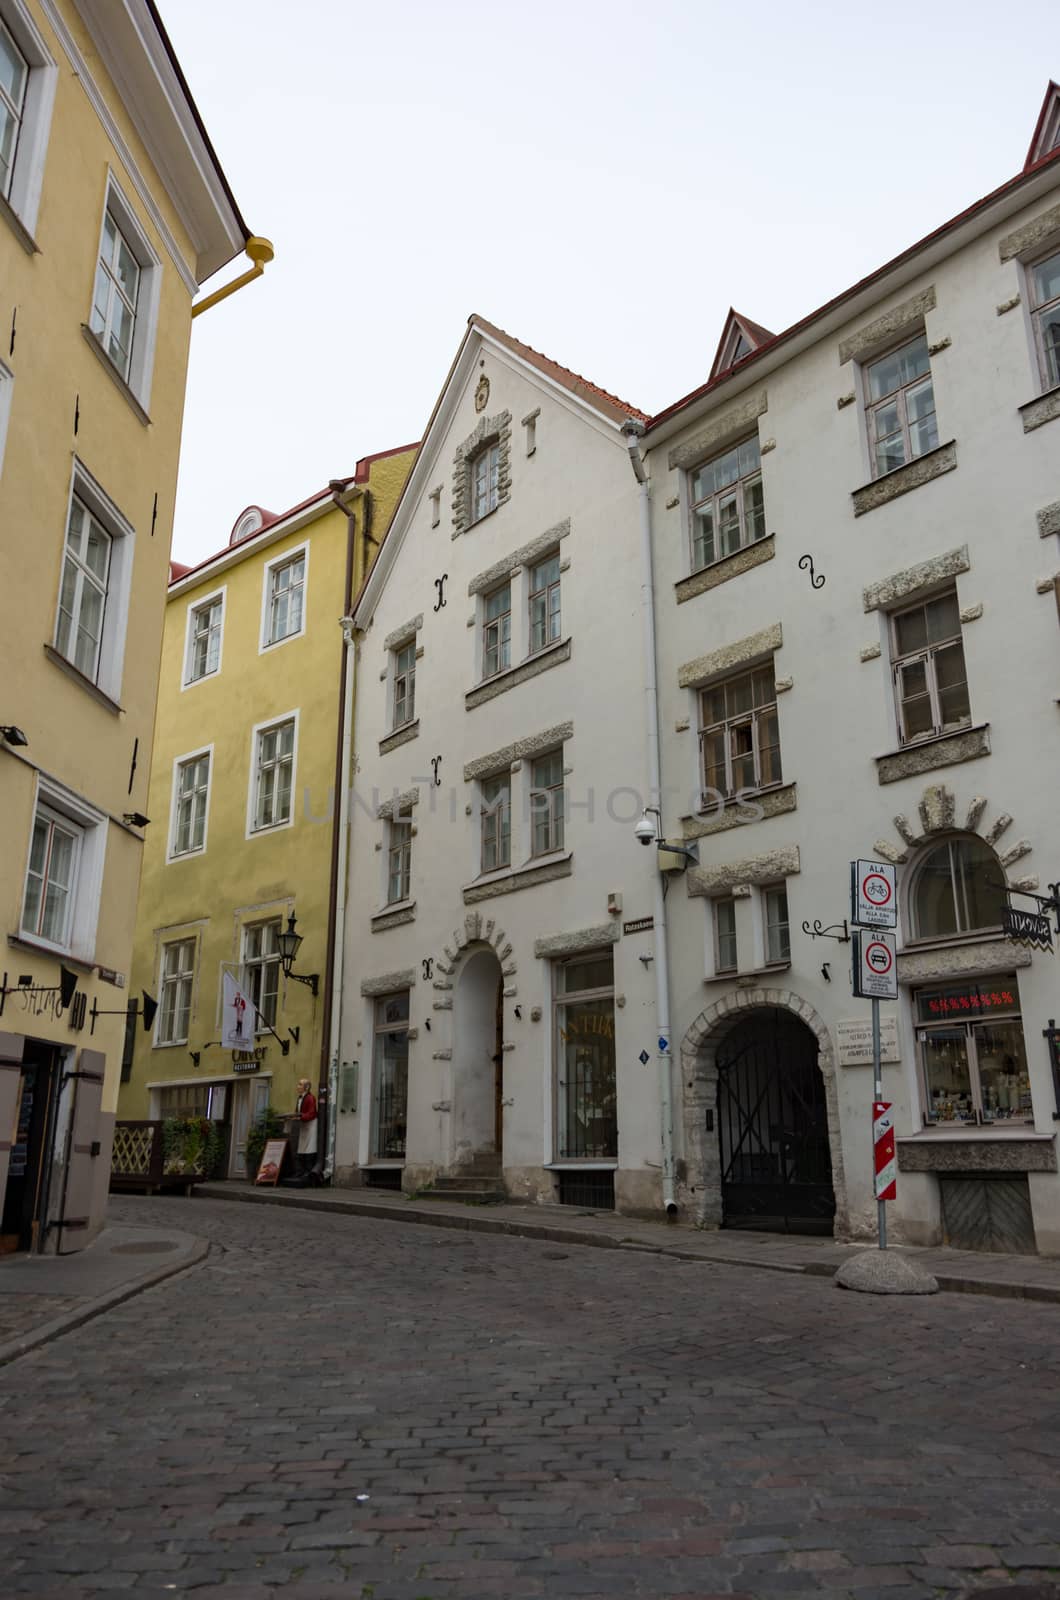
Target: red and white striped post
885,1160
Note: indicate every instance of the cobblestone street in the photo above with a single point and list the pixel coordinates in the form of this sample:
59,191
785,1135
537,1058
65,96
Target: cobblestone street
332,1406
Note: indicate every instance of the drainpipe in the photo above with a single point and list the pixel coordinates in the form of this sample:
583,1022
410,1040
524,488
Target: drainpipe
332,1019
261,253
631,432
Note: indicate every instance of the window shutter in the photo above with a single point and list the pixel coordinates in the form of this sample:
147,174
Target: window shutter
11,1045
83,1149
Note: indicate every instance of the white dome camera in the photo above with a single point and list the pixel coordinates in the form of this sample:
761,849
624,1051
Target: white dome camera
645,830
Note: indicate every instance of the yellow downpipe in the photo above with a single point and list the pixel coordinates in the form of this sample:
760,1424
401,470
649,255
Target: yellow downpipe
261,253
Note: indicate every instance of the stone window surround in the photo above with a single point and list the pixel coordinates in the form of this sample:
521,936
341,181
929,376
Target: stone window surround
509,880
724,429
1044,408
527,555
874,337
774,801
1049,519
388,983
724,568
487,430
402,635
928,755
770,867
553,655
559,945
534,744
755,647
922,469
400,736
904,585
397,803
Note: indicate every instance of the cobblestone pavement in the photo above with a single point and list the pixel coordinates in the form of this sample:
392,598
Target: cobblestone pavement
20,1313
331,1406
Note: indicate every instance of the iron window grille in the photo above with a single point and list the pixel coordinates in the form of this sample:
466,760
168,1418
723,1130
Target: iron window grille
930,681
739,734
83,596
286,599
193,789
1045,315
496,823
178,974
547,803
728,509
14,76
405,685
584,1017
544,603
275,766
901,406
117,289
497,631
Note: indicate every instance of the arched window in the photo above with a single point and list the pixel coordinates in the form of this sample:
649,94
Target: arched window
958,888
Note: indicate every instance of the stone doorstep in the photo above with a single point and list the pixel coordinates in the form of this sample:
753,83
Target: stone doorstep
957,1272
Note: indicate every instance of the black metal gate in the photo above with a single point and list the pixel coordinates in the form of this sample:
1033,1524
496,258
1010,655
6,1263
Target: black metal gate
776,1167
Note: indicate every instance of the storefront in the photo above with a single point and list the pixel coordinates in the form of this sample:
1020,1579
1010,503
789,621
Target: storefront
972,1057
231,1102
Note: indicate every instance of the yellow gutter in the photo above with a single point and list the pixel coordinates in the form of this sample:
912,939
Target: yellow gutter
261,253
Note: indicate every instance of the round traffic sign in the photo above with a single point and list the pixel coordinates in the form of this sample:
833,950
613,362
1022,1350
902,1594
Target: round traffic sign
876,888
878,957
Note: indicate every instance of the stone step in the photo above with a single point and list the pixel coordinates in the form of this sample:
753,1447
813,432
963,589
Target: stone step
472,1184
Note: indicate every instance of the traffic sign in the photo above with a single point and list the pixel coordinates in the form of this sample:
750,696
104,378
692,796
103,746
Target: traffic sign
873,897
885,1164
875,965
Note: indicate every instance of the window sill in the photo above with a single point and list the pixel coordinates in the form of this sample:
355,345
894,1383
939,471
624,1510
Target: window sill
393,916
572,1164
25,941
1044,408
541,869
252,833
941,750
743,977
772,802
399,736
551,656
18,228
79,678
977,1149
194,855
949,941
726,567
170,1044
901,479
113,373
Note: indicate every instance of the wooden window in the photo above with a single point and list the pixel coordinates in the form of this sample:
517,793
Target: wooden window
83,597
114,301
399,859
51,878
778,936
930,683
190,801
204,644
728,510
739,734
497,631
286,599
485,481
725,956
901,406
178,975
261,971
274,775
391,1062
957,888
405,684
547,803
14,76
496,823
544,603
586,1097
1045,314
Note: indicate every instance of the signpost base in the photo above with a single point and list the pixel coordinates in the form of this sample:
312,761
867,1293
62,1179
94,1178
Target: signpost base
885,1272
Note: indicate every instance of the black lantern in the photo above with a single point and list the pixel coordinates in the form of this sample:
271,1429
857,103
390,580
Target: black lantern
290,942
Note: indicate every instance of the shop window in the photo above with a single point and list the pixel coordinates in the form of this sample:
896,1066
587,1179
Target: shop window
957,888
391,1061
586,1104
972,1056
184,1101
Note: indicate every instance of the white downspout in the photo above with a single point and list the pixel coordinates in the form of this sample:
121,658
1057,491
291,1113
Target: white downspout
343,824
632,431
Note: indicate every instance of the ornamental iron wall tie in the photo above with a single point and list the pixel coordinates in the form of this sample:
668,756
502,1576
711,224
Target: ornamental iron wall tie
816,931
817,579
439,584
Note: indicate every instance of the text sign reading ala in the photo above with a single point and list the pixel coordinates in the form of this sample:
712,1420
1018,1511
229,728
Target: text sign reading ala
875,965
873,901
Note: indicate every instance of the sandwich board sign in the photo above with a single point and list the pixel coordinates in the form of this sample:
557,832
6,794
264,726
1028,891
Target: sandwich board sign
873,900
875,965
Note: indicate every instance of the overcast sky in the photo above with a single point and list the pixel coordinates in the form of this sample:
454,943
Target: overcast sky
601,179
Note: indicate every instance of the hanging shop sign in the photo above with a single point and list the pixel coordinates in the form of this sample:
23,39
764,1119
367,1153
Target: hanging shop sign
873,897
1027,927
875,965
854,1039
237,1015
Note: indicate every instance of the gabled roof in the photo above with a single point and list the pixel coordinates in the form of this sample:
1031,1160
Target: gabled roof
1047,129
739,337
612,407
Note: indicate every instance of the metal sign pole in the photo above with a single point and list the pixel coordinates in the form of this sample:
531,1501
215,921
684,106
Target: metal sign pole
877,1089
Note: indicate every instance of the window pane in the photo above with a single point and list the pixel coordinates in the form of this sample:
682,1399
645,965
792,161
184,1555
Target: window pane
750,459
943,618
954,705
591,972
980,889
13,69
884,376
713,703
914,700
923,429
588,1120
1047,280
1004,1083
1050,326
548,572
739,694
754,511
768,748
497,602
741,749
947,1076
714,762
936,911
910,631
914,360
778,942
703,536
728,524
725,928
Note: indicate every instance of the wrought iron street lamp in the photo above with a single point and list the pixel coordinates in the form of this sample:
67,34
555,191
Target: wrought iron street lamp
290,942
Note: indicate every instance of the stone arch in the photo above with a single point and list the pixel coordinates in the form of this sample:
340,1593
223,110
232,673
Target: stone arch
699,1070
937,813
477,933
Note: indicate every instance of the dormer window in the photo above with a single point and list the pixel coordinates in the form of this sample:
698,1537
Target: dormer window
485,478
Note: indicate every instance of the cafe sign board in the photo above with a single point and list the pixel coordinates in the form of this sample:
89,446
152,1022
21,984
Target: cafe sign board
248,1060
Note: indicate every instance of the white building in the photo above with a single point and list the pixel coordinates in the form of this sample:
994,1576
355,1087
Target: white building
856,528
494,1007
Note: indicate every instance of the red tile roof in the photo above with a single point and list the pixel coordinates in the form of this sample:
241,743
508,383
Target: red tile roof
608,403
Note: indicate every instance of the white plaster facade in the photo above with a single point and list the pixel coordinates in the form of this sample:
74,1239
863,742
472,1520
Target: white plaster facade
563,484
979,514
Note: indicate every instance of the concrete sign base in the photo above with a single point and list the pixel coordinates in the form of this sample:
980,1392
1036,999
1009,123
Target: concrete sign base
884,1272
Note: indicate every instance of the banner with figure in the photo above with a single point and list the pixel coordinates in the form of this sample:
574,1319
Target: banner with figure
237,1015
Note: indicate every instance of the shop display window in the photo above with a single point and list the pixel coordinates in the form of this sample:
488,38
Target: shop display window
972,1054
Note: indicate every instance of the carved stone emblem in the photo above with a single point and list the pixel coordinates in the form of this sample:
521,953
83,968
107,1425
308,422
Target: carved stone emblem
482,393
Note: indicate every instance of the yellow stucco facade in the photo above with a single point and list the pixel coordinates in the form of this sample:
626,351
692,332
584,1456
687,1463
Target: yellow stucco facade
243,792
91,403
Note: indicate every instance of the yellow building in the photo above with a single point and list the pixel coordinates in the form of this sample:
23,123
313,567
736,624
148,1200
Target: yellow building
246,781
113,210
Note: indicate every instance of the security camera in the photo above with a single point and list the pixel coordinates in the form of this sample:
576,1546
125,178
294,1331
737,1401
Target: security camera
645,830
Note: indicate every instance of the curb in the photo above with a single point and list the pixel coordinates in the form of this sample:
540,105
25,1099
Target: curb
554,1234
12,1349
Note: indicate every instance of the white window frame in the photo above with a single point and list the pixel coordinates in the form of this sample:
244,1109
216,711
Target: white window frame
394,726
484,812
728,725
490,453
262,963
157,1041
83,485
1047,380
145,329
179,762
28,174
898,397
557,817
738,488
256,732
87,886
399,851
282,560
927,654
7,392
194,607
548,590
504,646
85,582
767,890
726,969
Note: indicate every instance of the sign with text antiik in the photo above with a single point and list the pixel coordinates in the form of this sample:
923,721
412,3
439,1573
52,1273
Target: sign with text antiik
875,965
873,900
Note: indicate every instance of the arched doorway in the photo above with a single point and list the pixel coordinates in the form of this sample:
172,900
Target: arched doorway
776,1163
478,1059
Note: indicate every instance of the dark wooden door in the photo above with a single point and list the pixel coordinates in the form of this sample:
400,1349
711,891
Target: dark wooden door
498,1072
